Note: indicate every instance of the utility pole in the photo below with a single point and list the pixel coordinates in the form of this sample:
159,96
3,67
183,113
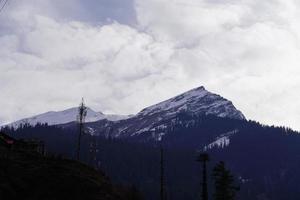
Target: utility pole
162,170
82,111
204,158
162,175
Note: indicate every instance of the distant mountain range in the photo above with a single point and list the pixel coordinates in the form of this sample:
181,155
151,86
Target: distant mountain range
197,102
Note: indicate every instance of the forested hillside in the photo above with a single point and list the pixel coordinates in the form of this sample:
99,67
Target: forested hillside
29,175
263,159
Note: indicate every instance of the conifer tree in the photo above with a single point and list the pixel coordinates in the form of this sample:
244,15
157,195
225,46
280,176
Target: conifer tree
225,188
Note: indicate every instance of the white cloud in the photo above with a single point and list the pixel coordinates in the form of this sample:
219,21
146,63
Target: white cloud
247,51
49,65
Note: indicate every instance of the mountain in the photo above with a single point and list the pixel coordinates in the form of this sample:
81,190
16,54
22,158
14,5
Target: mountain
197,101
66,116
152,122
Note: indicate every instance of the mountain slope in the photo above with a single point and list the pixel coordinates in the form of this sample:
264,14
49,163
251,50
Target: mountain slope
30,176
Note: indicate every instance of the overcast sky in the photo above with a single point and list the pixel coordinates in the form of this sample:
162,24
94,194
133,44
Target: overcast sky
124,55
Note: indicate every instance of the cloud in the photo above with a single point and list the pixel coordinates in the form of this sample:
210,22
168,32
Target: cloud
124,55
50,65
89,11
248,51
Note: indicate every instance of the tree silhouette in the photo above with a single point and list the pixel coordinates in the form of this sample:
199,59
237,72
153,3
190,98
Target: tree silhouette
224,183
82,111
162,175
204,158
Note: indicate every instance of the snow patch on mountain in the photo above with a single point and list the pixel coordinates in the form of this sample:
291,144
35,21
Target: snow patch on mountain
159,136
222,141
91,131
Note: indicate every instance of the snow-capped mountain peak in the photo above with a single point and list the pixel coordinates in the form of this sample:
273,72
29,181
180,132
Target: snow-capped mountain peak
196,101
175,102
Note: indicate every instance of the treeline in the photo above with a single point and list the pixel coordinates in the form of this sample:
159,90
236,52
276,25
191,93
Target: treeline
263,159
136,163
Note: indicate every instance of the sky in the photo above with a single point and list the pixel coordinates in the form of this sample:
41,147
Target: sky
124,55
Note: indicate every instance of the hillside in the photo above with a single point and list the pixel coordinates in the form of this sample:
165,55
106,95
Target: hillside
30,176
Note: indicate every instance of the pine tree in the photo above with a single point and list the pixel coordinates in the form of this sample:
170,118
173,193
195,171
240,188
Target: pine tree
225,188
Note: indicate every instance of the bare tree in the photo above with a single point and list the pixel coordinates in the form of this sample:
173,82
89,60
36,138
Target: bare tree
82,111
